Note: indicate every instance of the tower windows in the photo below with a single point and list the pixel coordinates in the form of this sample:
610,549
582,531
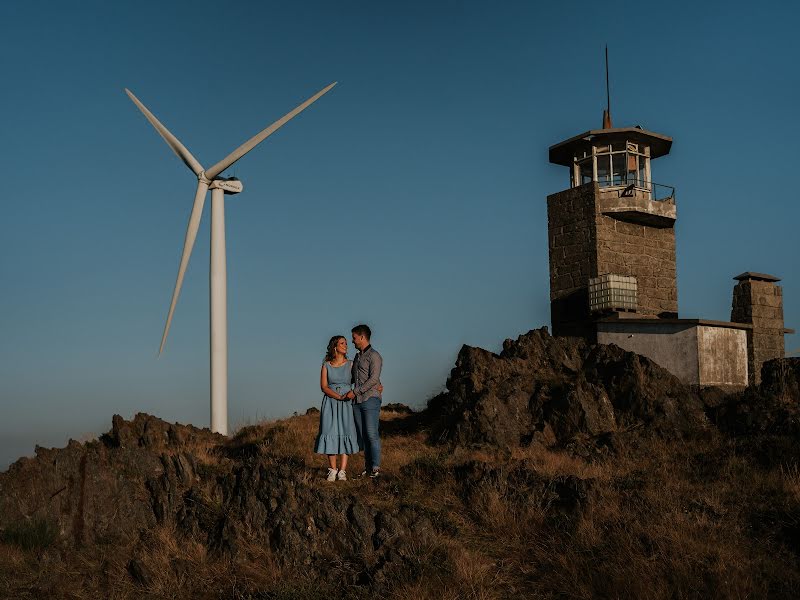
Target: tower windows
618,164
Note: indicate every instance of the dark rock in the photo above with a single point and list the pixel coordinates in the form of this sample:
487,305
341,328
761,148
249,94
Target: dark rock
104,492
153,433
139,573
362,521
770,408
579,407
780,378
551,389
312,411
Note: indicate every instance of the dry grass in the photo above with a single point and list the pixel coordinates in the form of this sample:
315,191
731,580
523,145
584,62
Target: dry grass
662,519
294,437
790,481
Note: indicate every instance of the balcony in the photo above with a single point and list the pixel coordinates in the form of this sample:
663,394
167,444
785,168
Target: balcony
641,202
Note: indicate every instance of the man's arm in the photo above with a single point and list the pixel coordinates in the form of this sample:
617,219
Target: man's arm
374,379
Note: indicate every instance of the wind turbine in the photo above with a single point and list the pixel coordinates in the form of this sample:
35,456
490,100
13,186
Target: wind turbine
209,179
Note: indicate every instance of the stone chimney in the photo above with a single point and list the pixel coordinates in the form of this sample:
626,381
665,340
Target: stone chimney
758,300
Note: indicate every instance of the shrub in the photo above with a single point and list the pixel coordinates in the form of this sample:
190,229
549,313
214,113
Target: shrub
34,534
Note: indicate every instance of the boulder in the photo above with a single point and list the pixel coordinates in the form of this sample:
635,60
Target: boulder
541,388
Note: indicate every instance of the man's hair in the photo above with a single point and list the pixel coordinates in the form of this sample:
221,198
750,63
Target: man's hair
362,330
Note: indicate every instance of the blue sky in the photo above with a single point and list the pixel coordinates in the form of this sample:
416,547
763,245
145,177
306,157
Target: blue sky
411,197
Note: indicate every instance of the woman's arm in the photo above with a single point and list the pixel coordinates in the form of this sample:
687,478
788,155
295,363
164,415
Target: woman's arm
323,384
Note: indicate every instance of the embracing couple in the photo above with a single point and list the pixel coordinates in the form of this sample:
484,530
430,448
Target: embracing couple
351,407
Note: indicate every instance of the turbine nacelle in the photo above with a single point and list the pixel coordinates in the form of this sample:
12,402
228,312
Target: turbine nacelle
231,185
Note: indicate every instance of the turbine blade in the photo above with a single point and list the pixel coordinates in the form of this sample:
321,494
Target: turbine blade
188,244
257,139
173,142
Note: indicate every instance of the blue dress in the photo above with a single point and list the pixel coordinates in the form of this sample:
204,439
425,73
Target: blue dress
337,428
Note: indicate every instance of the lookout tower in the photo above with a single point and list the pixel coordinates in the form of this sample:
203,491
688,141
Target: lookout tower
613,276
613,220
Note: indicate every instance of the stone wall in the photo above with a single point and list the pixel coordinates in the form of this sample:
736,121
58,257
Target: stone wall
644,252
571,240
585,243
759,301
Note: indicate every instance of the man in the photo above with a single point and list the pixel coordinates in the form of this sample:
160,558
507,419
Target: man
366,398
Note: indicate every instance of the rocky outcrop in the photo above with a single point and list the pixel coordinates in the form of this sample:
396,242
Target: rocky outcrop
147,473
548,390
98,490
253,499
772,407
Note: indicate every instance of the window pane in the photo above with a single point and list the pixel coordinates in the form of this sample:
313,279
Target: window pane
618,168
586,171
631,169
604,169
642,172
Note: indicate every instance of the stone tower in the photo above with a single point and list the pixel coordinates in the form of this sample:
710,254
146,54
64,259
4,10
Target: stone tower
611,220
758,300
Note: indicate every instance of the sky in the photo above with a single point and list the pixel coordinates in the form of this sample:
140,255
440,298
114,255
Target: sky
411,197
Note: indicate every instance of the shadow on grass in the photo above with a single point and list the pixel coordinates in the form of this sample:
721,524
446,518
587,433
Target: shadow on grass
407,424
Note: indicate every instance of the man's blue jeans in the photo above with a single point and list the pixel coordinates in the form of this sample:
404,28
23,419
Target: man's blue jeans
367,416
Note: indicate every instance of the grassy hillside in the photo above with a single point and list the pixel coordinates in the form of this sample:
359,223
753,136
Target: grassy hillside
649,519
553,470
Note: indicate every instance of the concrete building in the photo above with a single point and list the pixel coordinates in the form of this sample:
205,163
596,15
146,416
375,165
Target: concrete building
613,275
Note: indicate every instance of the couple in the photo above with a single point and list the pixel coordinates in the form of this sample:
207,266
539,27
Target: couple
351,408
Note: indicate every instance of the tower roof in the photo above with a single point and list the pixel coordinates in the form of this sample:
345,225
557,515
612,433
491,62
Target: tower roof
562,153
751,276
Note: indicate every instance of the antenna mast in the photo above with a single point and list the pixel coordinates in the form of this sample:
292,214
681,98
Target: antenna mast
607,113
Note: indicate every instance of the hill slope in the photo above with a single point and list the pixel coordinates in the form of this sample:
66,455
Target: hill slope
555,469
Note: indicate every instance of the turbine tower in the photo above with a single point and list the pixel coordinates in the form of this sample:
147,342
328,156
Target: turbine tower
210,179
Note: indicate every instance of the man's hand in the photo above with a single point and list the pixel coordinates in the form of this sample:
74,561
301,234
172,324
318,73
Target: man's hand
349,395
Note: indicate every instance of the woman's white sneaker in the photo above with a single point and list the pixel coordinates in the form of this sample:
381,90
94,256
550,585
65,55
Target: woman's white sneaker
341,476
331,474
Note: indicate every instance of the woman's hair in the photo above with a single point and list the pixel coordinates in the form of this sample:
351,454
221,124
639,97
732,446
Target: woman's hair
331,353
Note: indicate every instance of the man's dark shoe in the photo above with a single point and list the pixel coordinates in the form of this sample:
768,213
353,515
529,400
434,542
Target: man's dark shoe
376,472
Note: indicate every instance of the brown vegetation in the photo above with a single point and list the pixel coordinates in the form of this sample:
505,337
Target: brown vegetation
660,520
631,513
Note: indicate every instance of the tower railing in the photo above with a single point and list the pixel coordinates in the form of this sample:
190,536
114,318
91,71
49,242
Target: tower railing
658,191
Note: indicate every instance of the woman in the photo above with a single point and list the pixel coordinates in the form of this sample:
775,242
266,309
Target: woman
337,428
